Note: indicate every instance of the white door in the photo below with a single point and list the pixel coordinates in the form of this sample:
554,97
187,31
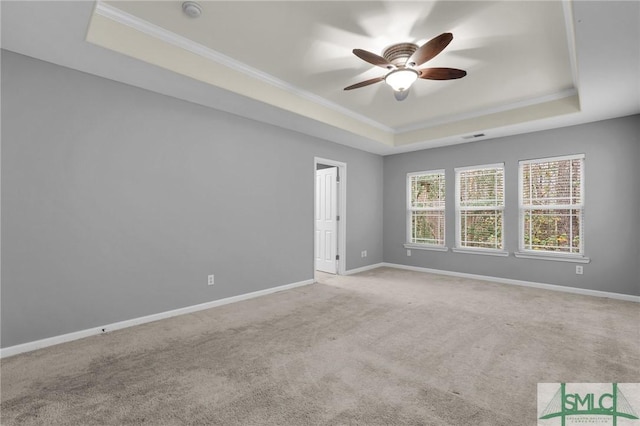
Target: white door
326,219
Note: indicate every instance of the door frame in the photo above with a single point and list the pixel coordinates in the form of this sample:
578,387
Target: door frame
342,212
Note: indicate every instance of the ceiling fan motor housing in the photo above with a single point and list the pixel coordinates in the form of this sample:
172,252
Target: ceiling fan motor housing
398,54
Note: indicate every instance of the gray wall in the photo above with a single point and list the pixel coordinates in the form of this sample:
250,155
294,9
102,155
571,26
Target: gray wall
612,222
118,202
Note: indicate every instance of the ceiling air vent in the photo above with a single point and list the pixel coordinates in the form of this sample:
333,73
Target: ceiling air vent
474,136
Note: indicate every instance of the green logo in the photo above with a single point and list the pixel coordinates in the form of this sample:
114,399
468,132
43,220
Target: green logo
588,399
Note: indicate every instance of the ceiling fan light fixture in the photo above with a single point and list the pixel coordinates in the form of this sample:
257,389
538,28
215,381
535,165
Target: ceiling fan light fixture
402,79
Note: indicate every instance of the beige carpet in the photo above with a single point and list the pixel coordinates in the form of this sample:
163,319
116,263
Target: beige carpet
388,347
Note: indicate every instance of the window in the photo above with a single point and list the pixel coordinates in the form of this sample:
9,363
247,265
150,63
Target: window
479,208
552,205
425,208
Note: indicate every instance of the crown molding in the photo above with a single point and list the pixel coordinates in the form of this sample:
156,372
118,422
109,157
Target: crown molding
567,93
110,12
567,8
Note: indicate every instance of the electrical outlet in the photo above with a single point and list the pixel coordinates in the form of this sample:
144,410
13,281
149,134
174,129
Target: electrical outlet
363,253
408,252
579,269
210,280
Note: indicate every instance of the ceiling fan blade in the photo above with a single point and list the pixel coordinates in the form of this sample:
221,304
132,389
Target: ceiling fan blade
372,58
442,73
430,49
364,83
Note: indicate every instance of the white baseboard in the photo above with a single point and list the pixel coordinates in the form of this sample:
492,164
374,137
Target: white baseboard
364,269
583,291
50,341
43,343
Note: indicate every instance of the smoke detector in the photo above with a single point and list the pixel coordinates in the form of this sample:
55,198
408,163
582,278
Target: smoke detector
191,9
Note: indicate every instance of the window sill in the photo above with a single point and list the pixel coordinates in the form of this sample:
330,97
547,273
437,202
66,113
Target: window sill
425,247
484,252
553,257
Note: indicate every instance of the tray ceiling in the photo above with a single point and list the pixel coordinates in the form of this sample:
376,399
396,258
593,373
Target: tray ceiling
297,56
531,65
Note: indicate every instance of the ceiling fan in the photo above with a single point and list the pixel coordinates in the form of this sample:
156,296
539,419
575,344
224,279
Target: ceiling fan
402,61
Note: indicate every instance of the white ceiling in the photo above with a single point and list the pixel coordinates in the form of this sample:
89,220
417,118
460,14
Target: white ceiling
531,65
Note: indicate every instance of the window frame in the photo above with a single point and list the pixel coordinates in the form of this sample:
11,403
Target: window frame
459,209
410,210
523,252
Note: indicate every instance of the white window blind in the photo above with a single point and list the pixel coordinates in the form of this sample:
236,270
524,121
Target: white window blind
480,207
552,205
425,208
